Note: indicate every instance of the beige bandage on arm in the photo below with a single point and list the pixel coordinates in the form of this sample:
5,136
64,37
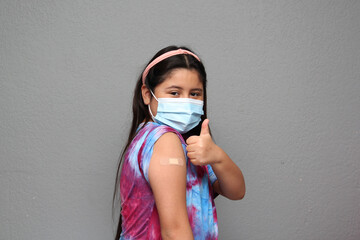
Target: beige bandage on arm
172,161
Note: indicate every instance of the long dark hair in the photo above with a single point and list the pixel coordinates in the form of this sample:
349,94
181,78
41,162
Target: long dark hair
157,75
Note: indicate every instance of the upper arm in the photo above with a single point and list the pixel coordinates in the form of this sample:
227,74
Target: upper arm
216,188
168,182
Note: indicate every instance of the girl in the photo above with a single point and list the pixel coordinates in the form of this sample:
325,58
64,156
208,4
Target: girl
172,169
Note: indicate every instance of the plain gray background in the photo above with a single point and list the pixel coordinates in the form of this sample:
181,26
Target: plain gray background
284,102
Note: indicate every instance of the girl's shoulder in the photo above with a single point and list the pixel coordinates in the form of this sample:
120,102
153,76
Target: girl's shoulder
153,131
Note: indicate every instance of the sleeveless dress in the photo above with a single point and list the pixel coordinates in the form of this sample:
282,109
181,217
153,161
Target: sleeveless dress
140,219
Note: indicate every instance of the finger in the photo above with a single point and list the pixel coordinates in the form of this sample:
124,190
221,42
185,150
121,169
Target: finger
193,161
191,155
190,148
205,127
191,140
196,162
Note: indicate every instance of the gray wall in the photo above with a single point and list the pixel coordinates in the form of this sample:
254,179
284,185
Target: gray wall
284,102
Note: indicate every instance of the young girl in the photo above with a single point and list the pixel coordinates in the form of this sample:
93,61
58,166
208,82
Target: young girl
172,169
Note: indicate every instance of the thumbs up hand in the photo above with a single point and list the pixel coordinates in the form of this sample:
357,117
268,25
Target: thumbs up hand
201,150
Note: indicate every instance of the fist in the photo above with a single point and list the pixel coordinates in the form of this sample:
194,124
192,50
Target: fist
201,150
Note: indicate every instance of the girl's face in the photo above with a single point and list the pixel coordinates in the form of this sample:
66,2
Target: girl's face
181,83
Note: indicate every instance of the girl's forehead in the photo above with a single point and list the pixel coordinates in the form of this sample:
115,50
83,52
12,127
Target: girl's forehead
183,78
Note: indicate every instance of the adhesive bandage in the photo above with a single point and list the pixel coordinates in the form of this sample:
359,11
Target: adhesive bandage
172,161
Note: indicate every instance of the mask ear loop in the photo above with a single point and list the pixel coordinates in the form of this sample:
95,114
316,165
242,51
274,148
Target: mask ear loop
152,116
154,95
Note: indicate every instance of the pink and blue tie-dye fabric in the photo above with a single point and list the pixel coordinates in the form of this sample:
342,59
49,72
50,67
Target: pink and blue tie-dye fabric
140,218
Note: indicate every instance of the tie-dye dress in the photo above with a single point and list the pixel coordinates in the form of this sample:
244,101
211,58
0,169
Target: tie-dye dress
140,219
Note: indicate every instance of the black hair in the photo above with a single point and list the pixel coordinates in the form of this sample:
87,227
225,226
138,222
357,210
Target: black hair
156,75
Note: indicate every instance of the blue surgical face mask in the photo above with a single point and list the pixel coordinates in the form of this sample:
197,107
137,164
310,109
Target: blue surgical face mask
182,114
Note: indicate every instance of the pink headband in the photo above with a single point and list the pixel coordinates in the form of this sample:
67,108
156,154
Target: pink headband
164,56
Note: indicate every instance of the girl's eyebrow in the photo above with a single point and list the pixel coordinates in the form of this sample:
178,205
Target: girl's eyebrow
174,86
197,89
177,87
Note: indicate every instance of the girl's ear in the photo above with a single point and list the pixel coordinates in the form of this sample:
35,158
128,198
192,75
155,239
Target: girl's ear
146,95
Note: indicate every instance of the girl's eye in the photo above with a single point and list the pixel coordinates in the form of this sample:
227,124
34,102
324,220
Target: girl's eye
195,94
174,93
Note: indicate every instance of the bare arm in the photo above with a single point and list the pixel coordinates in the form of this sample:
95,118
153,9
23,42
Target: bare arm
230,181
168,182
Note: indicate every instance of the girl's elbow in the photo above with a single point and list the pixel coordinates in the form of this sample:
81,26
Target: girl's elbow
176,233
241,195
176,229
238,195
168,234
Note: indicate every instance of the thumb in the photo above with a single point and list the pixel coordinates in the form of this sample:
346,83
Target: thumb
205,127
